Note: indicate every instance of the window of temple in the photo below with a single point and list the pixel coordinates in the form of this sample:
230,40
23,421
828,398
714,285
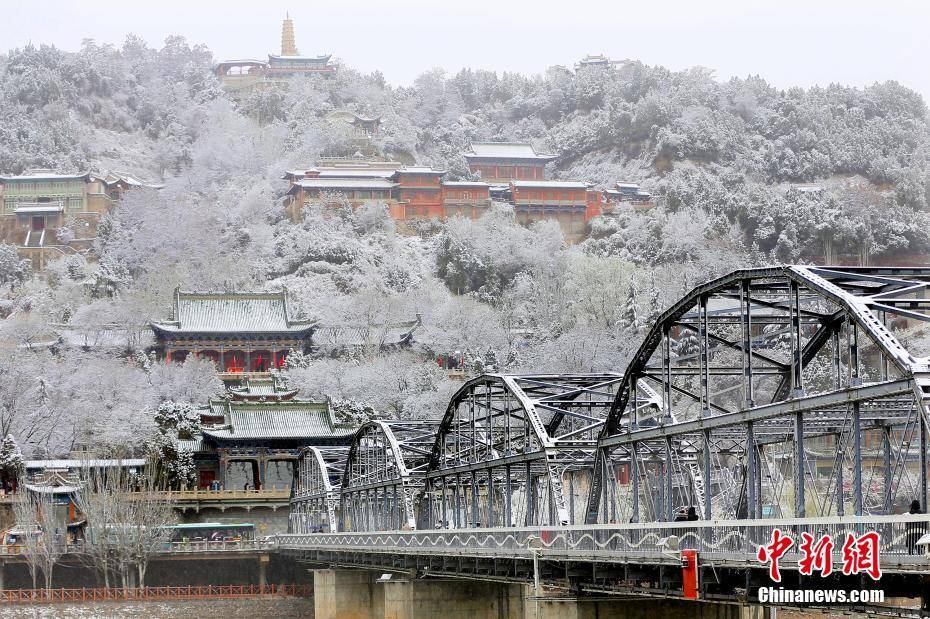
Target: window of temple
261,361
234,360
212,355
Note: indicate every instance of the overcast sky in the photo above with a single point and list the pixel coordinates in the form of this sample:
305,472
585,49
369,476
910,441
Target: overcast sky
788,42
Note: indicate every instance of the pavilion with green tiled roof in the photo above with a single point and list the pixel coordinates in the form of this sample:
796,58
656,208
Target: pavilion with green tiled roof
241,332
259,422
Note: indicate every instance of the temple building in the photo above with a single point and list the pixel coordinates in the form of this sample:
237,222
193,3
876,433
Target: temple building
629,193
39,203
418,192
364,126
251,438
409,192
570,203
501,162
597,61
250,73
244,333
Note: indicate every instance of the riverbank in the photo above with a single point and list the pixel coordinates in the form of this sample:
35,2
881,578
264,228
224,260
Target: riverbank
272,606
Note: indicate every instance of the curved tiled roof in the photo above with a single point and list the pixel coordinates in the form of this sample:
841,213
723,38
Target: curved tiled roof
277,420
505,150
232,312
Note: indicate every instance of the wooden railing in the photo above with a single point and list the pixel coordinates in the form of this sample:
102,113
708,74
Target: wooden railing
48,596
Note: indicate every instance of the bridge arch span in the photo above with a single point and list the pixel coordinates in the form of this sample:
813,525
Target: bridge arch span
384,472
315,504
805,353
515,450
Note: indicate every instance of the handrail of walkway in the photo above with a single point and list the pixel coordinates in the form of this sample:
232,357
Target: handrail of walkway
658,542
206,494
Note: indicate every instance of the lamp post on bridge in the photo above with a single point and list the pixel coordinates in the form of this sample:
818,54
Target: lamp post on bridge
533,543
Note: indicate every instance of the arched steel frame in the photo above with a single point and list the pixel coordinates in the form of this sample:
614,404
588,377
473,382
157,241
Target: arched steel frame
794,358
384,473
517,450
315,501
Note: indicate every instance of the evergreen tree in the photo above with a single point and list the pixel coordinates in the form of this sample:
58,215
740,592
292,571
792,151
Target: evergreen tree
11,459
630,317
654,309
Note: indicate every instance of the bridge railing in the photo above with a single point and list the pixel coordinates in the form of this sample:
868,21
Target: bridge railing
205,494
656,542
245,545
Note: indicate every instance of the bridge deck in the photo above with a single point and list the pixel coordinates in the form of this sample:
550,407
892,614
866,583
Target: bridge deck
720,543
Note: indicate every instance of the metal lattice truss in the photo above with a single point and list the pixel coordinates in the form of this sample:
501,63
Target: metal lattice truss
517,450
315,502
384,475
776,391
767,392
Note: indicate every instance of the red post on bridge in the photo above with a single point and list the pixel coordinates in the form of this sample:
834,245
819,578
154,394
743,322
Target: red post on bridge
689,574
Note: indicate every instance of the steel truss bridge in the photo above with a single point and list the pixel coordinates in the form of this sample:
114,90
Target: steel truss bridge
792,396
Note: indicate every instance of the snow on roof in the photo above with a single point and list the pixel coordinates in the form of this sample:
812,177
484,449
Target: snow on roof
465,184
551,184
291,419
94,337
31,175
356,172
40,208
391,334
130,179
628,185
194,445
324,57
255,388
506,150
76,463
63,489
232,312
420,169
345,183
244,61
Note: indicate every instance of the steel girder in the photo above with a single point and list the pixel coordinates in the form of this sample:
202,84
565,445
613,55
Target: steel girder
770,356
315,502
384,475
508,444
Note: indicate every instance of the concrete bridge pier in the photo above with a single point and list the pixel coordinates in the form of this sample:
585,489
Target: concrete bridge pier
359,594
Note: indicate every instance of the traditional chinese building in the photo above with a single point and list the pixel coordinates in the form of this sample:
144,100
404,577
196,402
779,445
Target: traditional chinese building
570,203
251,73
365,127
598,61
64,478
469,199
409,192
629,193
243,333
418,192
39,203
501,162
252,437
